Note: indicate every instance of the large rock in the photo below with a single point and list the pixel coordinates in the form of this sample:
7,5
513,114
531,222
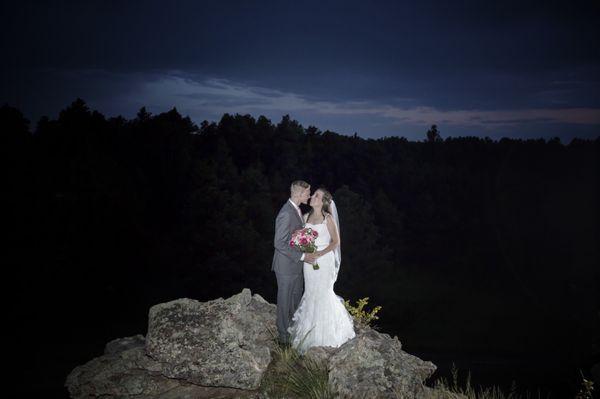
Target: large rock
130,373
119,374
221,349
224,342
373,365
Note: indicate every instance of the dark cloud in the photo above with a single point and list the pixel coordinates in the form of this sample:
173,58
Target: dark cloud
445,57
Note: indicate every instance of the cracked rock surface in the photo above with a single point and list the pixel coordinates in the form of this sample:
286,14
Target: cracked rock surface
222,348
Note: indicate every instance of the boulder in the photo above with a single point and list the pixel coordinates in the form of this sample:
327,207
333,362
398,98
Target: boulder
222,348
120,374
223,342
130,373
373,365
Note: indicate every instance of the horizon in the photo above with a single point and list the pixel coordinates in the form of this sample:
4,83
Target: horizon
32,125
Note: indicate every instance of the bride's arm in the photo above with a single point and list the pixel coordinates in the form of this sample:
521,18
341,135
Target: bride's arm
335,240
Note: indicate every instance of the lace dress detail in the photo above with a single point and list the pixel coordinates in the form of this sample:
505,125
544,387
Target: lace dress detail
321,318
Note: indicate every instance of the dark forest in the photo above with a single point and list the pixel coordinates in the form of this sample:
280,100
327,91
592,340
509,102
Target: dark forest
480,252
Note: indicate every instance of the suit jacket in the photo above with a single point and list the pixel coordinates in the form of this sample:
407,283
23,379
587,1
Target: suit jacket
286,260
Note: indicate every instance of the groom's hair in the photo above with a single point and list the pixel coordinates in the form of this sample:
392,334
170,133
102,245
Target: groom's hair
298,186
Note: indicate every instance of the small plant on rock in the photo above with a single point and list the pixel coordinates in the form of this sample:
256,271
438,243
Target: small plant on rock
361,316
587,386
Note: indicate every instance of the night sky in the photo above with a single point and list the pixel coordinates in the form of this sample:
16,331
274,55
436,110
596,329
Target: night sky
495,69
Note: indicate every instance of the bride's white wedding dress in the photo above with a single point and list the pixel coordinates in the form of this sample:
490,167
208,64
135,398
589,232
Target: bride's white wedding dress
321,318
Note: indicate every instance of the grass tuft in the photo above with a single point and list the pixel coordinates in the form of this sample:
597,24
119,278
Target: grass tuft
292,375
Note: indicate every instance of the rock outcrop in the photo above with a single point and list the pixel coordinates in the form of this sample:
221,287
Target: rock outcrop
222,348
374,365
217,343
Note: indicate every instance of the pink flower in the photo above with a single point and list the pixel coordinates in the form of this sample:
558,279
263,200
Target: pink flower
314,233
303,241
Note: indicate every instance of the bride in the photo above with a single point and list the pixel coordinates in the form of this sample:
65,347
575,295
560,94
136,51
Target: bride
321,318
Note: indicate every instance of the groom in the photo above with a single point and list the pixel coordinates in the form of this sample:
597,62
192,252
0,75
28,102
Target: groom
287,261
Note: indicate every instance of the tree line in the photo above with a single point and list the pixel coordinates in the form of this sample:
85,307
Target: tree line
123,214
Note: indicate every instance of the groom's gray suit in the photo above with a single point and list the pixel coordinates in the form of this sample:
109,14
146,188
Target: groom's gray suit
288,268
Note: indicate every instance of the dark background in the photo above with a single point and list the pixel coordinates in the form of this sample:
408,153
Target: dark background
481,252
479,241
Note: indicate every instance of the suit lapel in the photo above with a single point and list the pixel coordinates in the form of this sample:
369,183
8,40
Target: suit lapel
295,213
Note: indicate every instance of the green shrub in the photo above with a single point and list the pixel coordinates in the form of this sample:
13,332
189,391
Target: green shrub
360,315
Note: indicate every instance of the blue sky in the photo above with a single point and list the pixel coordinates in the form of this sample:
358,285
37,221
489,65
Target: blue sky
511,69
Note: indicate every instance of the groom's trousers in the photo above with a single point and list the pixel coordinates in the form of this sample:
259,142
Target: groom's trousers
290,288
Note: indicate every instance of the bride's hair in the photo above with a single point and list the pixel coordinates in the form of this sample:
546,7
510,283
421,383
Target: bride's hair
326,198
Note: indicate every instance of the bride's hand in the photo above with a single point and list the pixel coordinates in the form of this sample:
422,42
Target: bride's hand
318,254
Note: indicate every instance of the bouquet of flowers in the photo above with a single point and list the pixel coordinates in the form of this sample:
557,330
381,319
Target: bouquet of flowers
304,240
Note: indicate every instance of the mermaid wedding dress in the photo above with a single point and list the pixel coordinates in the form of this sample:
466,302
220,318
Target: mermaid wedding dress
321,318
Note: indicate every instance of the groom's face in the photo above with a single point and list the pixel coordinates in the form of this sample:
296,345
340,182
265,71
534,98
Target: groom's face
305,195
